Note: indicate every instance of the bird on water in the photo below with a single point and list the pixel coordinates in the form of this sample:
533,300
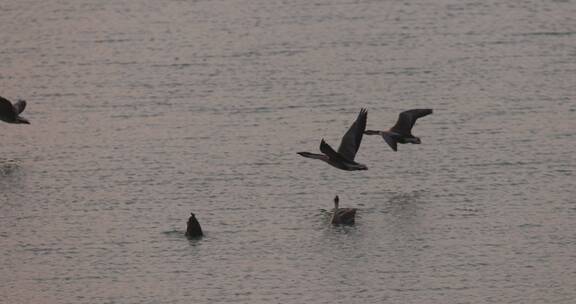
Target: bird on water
342,216
193,229
10,113
344,158
401,132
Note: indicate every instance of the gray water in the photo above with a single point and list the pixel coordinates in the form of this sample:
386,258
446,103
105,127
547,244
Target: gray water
145,111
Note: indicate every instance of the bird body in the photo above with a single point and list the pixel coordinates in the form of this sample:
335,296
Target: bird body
343,216
344,158
10,113
193,229
401,132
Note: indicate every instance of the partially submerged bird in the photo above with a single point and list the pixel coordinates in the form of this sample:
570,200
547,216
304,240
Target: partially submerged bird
344,158
401,132
11,113
342,216
193,229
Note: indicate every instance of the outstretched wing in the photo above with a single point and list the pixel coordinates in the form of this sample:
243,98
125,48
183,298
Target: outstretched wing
19,106
407,119
390,140
326,149
6,108
353,137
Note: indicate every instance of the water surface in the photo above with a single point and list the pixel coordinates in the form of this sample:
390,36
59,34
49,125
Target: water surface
145,111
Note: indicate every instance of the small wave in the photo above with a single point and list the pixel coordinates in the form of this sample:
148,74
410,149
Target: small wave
548,34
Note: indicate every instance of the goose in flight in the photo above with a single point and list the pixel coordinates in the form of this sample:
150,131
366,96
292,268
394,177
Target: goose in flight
401,132
342,216
344,158
10,113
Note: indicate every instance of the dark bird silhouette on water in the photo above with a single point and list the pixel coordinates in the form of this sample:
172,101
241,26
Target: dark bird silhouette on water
344,158
193,229
343,216
401,132
10,113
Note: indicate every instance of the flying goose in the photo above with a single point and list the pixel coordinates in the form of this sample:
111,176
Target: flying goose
401,132
10,113
342,216
344,158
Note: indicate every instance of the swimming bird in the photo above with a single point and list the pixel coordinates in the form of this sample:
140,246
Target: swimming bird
193,229
342,216
10,113
401,132
344,158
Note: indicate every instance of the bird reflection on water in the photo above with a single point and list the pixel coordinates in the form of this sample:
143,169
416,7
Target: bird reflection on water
8,167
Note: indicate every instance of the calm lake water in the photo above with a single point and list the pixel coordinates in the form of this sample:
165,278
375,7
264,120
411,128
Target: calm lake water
145,111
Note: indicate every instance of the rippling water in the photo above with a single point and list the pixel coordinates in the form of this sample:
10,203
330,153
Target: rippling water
145,111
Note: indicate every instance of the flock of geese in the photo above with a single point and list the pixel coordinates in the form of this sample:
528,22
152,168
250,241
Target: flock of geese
343,158
400,133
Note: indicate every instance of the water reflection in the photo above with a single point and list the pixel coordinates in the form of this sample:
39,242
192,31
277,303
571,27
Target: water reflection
11,186
138,139
402,204
406,216
9,175
406,197
8,167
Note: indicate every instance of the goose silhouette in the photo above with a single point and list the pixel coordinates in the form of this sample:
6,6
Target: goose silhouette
343,216
193,229
10,113
344,158
401,132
